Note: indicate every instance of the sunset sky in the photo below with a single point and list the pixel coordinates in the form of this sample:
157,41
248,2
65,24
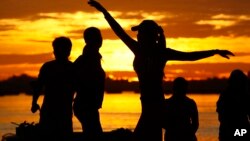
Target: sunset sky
27,28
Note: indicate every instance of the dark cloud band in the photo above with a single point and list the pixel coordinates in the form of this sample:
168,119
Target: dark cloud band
9,59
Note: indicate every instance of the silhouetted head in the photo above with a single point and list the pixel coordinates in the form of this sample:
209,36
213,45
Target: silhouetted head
237,79
62,47
148,33
180,86
93,37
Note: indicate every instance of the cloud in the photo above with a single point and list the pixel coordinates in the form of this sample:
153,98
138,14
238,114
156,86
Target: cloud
221,21
71,23
242,54
204,70
107,34
181,18
68,24
26,8
14,59
29,26
18,69
6,27
218,24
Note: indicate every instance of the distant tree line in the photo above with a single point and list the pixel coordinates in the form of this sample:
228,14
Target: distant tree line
16,85
210,85
22,84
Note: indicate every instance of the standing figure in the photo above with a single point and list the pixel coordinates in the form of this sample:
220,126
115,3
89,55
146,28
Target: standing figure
150,59
56,79
181,120
233,108
90,80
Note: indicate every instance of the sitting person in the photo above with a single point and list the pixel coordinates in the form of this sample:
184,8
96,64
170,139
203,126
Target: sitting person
181,119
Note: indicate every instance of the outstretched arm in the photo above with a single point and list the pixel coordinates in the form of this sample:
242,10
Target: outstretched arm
196,55
115,26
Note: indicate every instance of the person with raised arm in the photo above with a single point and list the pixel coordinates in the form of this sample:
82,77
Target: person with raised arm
150,59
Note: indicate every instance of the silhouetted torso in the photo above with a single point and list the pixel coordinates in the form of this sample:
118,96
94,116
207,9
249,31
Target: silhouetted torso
178,114
149,69
90,81
233,114
56,110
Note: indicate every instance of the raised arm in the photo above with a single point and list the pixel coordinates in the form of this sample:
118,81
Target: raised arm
115,26
195,55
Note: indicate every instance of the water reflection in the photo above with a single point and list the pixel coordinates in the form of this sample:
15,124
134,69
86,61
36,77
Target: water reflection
119,110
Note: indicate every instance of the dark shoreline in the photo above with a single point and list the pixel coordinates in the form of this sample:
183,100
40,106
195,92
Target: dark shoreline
22,84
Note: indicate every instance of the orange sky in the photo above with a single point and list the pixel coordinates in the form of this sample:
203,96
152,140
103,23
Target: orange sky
27,28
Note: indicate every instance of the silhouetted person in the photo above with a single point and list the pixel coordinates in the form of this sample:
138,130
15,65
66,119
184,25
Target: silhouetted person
56,79
90,85
181,119
233,108
151,56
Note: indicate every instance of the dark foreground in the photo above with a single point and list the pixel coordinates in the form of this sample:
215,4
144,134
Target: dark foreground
25,132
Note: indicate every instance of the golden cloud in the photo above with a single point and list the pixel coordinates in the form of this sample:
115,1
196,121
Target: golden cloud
222,20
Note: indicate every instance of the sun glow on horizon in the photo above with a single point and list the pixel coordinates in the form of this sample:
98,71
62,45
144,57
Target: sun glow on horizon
34,35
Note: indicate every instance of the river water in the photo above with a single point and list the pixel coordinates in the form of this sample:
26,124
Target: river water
119,110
